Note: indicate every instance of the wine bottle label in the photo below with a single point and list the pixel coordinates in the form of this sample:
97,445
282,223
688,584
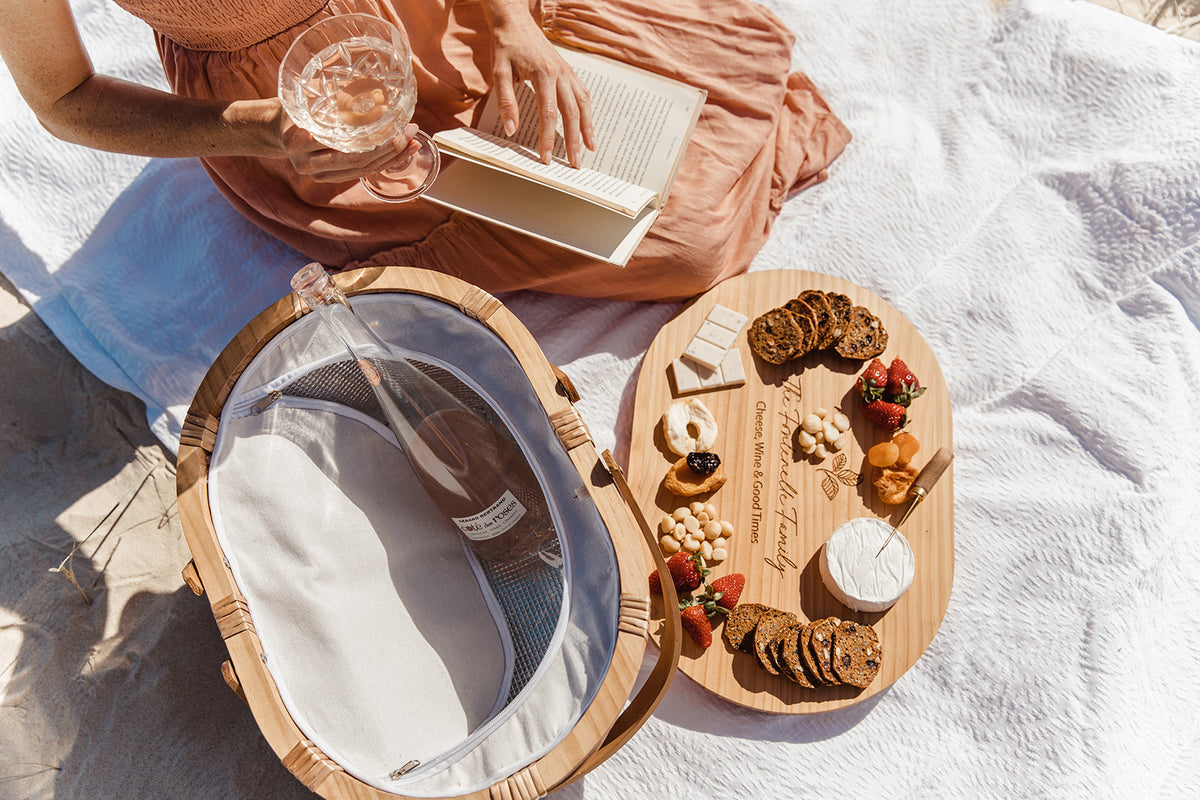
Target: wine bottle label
369,372
492,521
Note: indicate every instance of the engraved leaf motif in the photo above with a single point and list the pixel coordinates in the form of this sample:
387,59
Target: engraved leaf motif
839,461
829,486
849,477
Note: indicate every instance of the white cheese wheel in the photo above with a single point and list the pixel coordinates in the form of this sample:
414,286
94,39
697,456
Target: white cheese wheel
855,576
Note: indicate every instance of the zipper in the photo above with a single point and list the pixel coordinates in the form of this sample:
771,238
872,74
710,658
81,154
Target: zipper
265,403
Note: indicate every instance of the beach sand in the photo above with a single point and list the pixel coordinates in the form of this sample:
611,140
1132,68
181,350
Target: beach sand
81,473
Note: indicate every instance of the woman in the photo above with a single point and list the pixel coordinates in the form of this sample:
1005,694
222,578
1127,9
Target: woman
764,133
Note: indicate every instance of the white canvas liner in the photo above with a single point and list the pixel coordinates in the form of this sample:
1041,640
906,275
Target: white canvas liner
388,641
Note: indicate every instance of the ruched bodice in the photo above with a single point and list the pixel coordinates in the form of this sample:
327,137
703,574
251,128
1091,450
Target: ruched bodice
765,131
221,25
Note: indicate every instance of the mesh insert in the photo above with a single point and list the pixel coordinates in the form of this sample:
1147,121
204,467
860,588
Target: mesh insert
530,590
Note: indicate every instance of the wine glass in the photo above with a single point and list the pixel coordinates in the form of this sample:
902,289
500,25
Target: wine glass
348,81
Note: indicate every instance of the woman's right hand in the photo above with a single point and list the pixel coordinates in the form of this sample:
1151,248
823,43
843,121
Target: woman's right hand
325,165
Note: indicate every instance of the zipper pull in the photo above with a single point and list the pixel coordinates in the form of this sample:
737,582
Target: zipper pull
396,774
263,404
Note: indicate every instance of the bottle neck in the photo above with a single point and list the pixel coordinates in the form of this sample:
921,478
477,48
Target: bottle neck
317,288
407,402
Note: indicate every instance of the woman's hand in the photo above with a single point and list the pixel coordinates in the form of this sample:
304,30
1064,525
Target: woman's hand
520,51
325,165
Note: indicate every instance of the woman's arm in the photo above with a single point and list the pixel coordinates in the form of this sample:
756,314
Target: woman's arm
520,51
42,49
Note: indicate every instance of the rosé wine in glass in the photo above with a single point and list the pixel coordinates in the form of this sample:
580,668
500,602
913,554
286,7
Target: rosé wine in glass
348,81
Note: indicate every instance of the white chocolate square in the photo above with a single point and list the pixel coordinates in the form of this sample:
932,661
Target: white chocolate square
705,353
686,377
727,318
692,377
716,335
733,373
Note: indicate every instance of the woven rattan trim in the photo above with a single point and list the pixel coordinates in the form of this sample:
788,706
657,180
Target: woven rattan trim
569,427
309,764
233,616
633,615
199,430
525,785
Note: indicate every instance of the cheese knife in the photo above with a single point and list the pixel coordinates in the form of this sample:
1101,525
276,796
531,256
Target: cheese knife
921,487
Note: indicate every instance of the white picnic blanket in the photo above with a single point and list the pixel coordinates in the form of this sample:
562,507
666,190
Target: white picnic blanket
1024,185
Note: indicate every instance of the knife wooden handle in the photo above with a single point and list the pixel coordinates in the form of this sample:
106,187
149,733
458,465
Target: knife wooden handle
932,472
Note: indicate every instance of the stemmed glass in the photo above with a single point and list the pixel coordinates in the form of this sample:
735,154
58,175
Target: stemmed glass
348,81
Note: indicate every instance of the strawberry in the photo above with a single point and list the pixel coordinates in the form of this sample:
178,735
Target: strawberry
655,583
696,623
687,571
902,385
873,382
722,594
888,416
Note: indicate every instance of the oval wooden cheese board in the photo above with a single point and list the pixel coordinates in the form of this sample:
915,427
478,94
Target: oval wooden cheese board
783,504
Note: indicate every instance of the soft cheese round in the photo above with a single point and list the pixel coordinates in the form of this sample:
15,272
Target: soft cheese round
855,576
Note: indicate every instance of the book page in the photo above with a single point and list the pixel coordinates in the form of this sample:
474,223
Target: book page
540,211
642,121
595,186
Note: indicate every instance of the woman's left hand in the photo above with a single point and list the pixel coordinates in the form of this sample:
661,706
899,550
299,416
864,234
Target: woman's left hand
520,51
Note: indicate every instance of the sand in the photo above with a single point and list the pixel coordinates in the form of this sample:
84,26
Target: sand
79,470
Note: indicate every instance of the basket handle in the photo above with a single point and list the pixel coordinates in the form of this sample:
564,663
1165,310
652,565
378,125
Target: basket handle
642,705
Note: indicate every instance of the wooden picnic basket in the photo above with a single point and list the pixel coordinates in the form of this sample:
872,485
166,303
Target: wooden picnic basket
378,656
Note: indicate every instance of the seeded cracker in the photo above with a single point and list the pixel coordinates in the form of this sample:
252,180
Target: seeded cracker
826,321
739,625
775,336
865,336
857,654
770,624
806,316
788,656
840,304
822,648
804,645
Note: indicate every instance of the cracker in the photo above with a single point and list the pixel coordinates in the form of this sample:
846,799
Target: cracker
857,654
865,336
808,329
806,315
787,656
804,645
840,304
822,648
775,336
770,625
826,321
739,625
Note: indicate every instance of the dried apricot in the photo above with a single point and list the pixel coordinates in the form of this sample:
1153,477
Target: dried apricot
909,446
883,454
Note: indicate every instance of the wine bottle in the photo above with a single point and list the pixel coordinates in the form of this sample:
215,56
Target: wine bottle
470,469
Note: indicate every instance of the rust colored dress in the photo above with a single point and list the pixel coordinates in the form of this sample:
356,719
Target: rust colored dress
765,132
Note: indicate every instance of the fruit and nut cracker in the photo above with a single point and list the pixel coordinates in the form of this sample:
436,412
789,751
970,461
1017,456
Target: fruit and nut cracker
814,321
823,652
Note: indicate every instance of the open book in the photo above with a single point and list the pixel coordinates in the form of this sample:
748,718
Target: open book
642,125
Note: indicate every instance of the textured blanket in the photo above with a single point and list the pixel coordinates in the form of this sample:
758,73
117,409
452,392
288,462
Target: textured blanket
1024,185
